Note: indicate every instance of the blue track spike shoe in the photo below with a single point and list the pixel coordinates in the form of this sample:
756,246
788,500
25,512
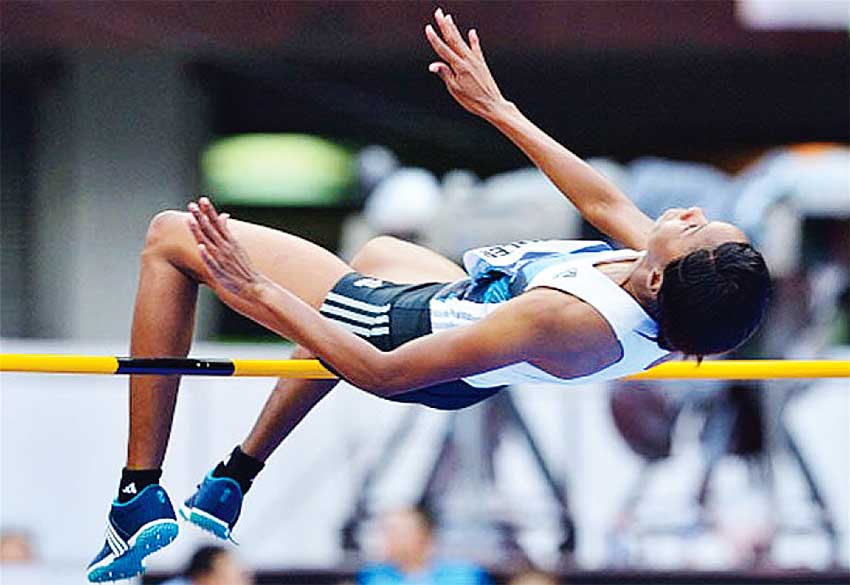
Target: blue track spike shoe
134,530
215,507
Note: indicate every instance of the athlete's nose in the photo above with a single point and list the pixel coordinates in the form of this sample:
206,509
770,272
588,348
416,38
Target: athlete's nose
695,214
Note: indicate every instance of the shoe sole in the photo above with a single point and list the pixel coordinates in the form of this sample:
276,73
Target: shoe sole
206,522
150,539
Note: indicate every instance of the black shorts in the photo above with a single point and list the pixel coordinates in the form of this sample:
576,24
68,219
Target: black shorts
387,315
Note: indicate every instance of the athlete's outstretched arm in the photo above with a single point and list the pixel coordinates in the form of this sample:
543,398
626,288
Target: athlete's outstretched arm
515,334
468,79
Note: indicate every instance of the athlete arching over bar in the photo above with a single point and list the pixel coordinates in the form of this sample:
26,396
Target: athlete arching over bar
551,311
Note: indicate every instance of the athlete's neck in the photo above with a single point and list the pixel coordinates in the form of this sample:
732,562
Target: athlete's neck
628,275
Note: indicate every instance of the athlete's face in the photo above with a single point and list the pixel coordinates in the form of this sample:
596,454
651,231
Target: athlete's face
678,232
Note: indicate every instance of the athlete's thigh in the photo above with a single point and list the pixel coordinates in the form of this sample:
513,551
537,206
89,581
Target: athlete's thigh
403,262
298,265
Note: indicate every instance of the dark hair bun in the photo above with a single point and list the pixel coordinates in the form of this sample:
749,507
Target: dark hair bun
711,301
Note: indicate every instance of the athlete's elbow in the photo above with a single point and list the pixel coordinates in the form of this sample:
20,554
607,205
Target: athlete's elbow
364,380
376,378
380,387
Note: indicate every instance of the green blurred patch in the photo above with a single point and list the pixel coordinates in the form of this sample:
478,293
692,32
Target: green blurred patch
278,170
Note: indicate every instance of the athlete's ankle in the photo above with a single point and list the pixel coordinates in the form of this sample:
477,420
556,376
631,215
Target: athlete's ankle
133,481
240,467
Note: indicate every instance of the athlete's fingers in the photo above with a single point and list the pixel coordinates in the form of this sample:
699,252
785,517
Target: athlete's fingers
442,70
441,48
206,234
457,39
450,33
222,226
475,43
197,219
207,227
200,237
209,210
195,230
229,252
195,224
206,205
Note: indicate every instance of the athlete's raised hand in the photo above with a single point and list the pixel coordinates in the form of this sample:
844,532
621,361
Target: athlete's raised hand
223,255
463,68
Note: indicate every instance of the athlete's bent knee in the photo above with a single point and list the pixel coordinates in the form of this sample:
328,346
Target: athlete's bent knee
375,253
163,228
167,237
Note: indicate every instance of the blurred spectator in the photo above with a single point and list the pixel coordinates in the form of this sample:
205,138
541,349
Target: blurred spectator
213,565
532,577
516,205
404,203
16,547
409,555
18,562
374,163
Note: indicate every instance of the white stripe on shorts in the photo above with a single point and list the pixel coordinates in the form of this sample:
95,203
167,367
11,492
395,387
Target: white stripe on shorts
358,317
355,304
363,331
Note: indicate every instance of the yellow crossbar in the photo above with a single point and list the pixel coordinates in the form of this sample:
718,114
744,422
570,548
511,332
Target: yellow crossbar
58,364
747,370
313,369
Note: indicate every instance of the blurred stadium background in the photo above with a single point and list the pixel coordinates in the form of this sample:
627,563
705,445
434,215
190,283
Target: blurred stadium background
320,118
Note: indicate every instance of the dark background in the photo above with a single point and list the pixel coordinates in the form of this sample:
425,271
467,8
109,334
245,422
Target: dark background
679,79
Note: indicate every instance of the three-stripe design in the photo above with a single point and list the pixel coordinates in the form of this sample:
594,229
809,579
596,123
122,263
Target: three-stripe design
363,319
116,543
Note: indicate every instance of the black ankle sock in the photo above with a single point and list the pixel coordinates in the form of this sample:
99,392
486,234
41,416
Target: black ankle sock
241,467
133,481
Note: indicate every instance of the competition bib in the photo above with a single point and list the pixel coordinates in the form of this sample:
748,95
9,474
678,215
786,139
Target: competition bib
511,258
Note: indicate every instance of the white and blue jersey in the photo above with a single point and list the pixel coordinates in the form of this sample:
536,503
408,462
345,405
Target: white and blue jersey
389,315
500,273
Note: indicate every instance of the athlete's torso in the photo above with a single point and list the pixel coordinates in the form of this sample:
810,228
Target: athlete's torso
498,274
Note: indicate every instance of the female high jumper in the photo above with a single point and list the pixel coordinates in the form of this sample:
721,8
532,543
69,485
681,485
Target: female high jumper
408,325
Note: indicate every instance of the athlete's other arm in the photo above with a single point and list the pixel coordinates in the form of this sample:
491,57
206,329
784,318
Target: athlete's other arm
515,332
468,79
520,330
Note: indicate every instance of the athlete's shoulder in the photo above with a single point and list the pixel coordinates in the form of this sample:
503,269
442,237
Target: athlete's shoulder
553,313
539,306
574,330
